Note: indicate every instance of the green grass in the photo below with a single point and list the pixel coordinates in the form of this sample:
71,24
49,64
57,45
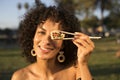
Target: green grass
103,64
10,60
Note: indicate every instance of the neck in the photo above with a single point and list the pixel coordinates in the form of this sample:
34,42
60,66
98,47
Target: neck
47,66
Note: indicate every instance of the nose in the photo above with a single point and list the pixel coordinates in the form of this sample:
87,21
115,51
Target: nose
47,40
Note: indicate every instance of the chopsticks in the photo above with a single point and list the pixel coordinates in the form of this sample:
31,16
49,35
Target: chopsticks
91,37
69,33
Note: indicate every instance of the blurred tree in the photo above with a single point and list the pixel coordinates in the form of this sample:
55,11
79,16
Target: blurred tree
103,5
90,22
26,6
8,33
19,6
113,20
80,7
69,4
85,6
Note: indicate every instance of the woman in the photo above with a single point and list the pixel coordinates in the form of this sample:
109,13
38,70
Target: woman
53,59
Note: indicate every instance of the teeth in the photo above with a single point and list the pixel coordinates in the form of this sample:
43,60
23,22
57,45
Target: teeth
44,48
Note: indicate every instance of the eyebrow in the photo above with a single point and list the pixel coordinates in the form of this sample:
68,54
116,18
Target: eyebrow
41,27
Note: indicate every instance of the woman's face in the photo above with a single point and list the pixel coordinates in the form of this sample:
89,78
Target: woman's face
46,48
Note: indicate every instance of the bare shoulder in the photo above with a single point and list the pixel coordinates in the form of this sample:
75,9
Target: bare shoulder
18,75
21,74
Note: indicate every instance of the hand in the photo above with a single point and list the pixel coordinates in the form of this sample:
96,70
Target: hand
85,46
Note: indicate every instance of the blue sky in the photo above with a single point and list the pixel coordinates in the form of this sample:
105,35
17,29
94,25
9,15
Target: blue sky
10,15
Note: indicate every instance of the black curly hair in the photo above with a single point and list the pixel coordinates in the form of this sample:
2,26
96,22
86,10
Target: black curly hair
37,15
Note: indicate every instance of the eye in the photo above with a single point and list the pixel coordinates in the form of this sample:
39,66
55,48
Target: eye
41,32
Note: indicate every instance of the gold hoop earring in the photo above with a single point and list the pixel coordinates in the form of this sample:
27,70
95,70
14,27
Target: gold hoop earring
61,57
33,52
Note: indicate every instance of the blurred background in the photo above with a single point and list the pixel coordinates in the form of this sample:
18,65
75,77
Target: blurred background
97,18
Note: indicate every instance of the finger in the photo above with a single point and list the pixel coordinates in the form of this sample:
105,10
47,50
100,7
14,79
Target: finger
82,43
84,37
90,42
83,50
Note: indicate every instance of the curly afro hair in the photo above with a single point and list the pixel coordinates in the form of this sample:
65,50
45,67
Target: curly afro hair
34,17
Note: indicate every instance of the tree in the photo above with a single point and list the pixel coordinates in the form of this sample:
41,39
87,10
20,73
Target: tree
85,6
115,10
113,20
103,5
26,6
69,4
19,6
79,7
90,22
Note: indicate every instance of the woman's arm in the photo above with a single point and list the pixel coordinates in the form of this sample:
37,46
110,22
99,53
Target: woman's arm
85,47
83,73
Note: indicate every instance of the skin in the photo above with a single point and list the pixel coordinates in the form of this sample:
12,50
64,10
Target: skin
46,50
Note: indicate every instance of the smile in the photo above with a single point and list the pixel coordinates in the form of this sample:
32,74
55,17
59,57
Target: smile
45,50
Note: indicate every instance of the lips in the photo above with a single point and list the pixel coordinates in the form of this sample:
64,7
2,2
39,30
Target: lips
45,49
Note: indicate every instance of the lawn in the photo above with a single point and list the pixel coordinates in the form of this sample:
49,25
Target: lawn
103,64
